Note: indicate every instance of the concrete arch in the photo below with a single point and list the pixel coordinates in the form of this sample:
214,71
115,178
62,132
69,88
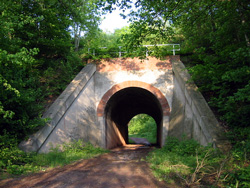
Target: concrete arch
158,94
125,100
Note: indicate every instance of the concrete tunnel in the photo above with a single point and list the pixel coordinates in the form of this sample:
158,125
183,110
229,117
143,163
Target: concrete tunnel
123,106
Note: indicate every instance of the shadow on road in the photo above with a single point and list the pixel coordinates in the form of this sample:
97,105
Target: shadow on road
122,167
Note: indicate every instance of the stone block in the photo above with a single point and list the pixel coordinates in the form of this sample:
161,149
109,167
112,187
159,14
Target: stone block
178,79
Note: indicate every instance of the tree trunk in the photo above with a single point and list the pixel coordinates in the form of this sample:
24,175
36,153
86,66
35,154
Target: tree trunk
77,32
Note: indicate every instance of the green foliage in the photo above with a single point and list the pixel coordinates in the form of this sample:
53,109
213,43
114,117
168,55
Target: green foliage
37,61
184,147
103,45
184,161
215,33
19,92
36,48
223,70
239,178
70,152
108,45
240,138
63,72
16,162
226,86
143,126
11,157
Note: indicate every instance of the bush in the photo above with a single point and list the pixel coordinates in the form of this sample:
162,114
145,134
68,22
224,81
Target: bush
239,178
19,104
12,158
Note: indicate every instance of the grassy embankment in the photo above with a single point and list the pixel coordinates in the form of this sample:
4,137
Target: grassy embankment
188,164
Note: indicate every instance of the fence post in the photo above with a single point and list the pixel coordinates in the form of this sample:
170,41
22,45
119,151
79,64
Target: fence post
120,53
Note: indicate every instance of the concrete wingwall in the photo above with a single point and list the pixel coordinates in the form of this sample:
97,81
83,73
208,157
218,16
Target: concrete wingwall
191,116
71,116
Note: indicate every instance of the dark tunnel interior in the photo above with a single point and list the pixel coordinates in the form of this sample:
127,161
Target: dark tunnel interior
122,107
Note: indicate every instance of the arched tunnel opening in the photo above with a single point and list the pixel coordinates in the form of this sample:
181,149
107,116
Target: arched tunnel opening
142,129
122,107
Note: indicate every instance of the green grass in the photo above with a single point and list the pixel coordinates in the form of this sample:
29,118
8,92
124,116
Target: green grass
25,163
184,161
71,152
142,126
189,164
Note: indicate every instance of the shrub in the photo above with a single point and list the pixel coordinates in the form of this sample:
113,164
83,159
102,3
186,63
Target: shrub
239,178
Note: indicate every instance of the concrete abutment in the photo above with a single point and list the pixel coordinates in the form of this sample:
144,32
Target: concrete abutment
99,103
126,103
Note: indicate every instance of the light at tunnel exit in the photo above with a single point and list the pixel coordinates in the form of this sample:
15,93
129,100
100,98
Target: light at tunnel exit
142,129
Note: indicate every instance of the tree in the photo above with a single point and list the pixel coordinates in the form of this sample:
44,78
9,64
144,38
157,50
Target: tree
216,33
86,21
35,40
103,43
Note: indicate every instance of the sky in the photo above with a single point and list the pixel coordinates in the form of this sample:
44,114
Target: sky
113,21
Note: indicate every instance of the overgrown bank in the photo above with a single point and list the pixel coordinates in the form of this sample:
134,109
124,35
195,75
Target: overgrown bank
189,164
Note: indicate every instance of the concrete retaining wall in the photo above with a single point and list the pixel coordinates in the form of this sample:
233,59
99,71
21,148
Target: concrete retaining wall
191,115
72,115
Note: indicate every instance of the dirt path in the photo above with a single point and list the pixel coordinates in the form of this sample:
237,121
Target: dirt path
122,168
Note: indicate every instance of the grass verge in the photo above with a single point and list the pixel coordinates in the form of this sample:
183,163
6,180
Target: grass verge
189,164
26,163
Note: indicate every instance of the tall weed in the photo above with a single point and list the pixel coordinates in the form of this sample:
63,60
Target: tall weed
184,161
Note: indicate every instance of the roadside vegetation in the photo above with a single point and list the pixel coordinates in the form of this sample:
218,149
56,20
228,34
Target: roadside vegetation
16,162
44,44
188,164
